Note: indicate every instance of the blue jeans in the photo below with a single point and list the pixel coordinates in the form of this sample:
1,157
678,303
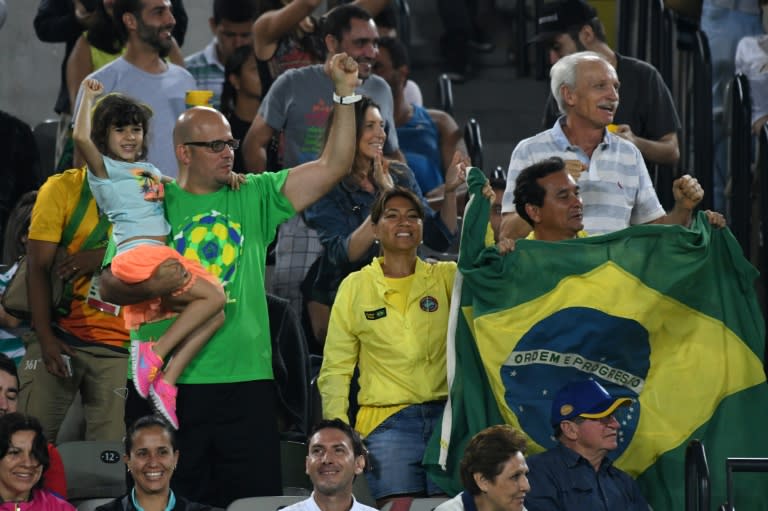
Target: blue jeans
396,448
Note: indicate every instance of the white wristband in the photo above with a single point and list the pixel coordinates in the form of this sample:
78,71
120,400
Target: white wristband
346,100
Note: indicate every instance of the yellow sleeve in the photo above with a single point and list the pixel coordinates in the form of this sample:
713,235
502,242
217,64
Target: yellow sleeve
53,207
340,354
450,275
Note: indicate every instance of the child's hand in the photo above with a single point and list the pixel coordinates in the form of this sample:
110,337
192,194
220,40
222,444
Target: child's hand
92,87
235,180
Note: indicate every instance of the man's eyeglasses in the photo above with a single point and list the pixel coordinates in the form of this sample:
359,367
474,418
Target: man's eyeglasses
217,146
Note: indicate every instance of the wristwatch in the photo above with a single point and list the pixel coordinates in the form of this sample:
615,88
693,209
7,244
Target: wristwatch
346,100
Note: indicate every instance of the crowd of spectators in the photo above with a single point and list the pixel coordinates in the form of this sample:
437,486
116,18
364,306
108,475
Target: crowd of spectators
346,175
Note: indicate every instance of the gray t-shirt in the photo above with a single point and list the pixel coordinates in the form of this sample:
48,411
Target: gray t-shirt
299,102
164,93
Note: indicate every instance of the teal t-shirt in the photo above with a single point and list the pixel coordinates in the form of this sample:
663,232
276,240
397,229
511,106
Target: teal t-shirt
228,232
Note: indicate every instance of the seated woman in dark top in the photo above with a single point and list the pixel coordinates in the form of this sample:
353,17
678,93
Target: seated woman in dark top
151,456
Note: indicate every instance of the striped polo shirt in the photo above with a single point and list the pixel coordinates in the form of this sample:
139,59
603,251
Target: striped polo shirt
616,188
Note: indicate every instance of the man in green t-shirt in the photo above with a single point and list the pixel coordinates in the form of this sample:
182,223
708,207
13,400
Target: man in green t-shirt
228,432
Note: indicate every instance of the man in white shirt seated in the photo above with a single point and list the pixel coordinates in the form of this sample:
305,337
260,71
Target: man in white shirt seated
336,456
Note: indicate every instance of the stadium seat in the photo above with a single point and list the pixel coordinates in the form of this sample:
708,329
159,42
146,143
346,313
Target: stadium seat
738,115
698,494
411,504
290,363
264,503
94,469
361,492
403,20
292,461
72,428
92,504
474,142
45,139
734,465
445,93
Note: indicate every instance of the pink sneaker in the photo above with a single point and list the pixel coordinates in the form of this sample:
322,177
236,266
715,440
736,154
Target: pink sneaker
146,366
163,396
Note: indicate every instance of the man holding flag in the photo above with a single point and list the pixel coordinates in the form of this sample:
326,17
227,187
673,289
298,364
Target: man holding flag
548,198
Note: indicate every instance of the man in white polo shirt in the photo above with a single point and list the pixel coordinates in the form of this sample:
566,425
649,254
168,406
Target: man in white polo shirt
615,185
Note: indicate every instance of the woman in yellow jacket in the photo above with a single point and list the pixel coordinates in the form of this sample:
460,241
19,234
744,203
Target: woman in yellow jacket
391,320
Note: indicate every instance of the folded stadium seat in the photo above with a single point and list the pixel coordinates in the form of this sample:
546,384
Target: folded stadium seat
472,138
72,428
292,460
762,221
264,503
94,469
316,399
445,93
474,142
92,504
737,111
411,504
290,364
361,492
45,139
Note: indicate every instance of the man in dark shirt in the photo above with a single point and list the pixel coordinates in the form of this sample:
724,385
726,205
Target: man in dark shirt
576,475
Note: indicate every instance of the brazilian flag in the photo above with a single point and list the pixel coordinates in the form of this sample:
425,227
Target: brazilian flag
664,315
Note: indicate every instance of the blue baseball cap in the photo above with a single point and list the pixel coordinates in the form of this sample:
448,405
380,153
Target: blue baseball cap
587,399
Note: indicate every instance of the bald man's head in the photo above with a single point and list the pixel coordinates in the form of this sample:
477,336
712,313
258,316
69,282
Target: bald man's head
191,123
204,149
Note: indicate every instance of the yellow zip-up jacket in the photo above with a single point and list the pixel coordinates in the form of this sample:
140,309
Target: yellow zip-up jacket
401,356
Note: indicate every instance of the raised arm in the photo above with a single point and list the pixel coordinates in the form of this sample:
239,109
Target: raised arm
255,144
82,132
688,193
272,25
310,181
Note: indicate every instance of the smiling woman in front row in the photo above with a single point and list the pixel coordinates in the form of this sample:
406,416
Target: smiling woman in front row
151,456
23,460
